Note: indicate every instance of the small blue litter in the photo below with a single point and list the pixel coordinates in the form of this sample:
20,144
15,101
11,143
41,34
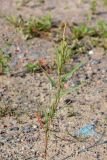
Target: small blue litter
87,130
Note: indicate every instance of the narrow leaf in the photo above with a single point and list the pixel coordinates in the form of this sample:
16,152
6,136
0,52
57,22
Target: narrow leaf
68,75
71,89
52,81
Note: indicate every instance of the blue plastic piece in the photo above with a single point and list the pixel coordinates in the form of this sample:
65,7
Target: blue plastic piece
87,130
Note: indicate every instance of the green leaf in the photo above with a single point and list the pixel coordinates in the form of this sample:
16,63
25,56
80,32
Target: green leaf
44,24
68,75
32,67
52,81
71,89
46,117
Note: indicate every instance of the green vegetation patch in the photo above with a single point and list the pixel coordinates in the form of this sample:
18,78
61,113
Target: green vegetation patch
4,66
33,26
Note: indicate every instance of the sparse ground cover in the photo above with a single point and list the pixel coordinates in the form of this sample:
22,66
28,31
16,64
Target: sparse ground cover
53,80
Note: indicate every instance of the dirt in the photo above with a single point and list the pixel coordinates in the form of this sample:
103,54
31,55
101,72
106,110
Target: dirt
21,137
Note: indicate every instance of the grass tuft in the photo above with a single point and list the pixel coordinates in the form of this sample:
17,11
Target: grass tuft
4,59
33,26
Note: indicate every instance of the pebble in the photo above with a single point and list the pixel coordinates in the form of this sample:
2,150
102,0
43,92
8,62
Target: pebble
69,101
96,62
14,129
28,129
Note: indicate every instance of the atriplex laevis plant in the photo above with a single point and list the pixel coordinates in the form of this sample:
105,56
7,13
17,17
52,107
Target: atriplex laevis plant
62,56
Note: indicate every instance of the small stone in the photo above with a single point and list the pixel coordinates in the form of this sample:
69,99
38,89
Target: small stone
69,101
26,129
102,113
91,52
96,62
14,129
